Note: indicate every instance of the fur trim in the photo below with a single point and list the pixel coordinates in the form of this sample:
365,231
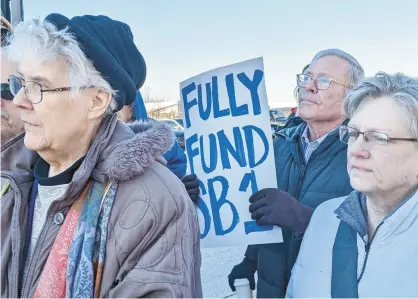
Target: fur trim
151,140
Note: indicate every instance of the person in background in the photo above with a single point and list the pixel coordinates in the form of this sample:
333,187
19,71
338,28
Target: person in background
11,124
293,112
365,244
135,115
311,168
89,208
6,29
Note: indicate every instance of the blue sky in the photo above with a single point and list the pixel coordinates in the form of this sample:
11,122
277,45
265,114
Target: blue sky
180,39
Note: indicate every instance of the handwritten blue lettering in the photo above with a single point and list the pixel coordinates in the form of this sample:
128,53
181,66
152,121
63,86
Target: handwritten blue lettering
191,152
252,85
251,226
226,147
217,203
215,96
205,211
230,88
205,114
213,154
188,105
218,150
249,138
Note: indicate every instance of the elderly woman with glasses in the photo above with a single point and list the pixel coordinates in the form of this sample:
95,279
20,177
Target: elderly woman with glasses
366,245
89,208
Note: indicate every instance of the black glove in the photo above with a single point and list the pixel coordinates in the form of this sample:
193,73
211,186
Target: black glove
246,269
192,186
274,207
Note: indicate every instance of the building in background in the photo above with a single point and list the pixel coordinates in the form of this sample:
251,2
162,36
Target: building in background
164,110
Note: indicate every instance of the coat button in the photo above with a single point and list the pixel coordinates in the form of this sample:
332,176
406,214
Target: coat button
59,218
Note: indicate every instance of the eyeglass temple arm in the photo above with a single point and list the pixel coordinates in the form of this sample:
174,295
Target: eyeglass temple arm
341,83
57,89
404,139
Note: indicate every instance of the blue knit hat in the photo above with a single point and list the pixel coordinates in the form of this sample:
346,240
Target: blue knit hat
110,46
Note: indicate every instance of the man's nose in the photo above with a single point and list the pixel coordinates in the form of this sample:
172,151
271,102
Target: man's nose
311,87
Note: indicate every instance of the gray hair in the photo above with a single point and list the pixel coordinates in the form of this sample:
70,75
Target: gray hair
355,72
402,89
42,41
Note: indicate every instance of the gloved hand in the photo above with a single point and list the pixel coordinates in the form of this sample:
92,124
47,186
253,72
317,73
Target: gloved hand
246,269
272,206
192,186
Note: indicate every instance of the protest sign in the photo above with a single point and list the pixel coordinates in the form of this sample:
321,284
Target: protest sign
229,147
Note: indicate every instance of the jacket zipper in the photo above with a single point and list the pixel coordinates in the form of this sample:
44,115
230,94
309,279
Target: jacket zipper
47,221
29,274
302,172
301,177
367,249
19,237
19,243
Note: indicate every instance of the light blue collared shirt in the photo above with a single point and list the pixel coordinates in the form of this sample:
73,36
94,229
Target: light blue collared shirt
308,146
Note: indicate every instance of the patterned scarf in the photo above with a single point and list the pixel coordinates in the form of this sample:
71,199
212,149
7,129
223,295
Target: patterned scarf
75,264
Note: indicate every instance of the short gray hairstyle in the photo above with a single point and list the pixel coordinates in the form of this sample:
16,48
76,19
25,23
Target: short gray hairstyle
42,41
402,89
355,72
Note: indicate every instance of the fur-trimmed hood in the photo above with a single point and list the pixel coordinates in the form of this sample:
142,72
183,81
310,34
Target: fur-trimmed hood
130,157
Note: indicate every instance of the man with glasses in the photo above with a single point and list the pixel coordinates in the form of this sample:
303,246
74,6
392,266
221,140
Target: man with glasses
311,167
11,124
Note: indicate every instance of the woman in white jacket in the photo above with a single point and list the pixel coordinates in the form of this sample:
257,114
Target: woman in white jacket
366,244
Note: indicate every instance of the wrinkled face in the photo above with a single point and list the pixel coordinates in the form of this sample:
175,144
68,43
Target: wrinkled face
11,124
324,105
57,121
376,168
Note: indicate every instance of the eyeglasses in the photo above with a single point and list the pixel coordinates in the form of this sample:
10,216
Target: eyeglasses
321,82
33,90
5,92
349,134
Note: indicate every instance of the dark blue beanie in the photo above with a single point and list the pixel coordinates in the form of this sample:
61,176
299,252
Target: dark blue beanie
109,45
